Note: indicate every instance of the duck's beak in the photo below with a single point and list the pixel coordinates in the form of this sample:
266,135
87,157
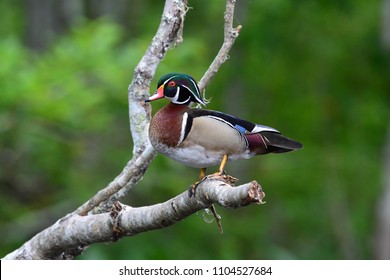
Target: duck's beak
157,95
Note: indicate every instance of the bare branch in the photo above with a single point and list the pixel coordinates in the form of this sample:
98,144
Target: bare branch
68,237
130,175
230,35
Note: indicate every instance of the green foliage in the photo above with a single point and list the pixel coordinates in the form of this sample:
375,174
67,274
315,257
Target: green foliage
313,69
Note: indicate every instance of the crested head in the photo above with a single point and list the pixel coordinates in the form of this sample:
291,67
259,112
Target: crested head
180,89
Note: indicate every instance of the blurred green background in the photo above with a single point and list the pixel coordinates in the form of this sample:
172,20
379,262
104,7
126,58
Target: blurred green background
319,71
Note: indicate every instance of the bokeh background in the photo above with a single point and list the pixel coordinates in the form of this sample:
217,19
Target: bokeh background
319,71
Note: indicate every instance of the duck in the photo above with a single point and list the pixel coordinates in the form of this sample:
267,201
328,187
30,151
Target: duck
202,138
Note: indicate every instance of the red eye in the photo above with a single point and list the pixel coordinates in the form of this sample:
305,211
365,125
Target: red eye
172,83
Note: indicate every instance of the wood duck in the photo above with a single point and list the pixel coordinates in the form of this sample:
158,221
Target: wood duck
202,138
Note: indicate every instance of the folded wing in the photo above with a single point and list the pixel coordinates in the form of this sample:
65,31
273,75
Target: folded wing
260,139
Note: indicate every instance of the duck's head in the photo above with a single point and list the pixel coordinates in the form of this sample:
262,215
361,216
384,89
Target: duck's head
179,88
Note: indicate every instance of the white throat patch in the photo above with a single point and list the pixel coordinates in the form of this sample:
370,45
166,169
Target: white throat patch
175,99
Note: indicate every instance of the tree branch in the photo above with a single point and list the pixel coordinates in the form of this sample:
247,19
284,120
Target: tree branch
68,237
230,35
130,175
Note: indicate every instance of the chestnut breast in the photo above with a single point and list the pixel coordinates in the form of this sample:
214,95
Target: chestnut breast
166,125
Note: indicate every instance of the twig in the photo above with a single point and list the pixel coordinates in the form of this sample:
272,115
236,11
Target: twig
230,36
217,218
68,237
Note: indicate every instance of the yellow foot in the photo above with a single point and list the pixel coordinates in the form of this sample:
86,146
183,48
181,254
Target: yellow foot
214,176
223,177
194,186
220,175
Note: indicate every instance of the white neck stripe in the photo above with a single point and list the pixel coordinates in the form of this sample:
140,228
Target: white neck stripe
196,97
183,128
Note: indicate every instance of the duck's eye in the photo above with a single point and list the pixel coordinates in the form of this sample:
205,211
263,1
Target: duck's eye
172,83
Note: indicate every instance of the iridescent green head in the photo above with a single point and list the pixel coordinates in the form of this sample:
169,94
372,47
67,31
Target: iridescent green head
179,88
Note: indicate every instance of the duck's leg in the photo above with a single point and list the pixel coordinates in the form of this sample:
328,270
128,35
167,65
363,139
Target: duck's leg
202,176
202,173
221,169
221,172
